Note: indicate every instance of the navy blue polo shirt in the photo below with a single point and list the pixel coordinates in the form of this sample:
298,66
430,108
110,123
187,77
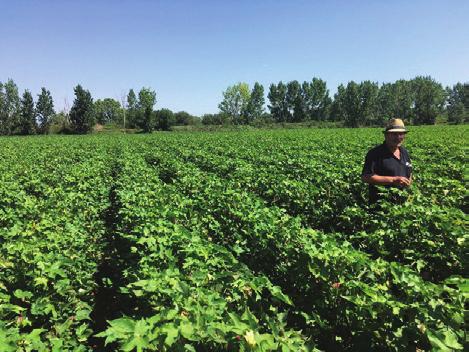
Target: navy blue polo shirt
380,161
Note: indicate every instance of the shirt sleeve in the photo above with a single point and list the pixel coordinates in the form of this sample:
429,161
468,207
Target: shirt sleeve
370,164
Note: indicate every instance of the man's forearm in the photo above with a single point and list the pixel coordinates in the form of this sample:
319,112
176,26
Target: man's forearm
400,181
378,180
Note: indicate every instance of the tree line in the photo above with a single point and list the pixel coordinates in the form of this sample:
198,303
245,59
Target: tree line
20,115
418,101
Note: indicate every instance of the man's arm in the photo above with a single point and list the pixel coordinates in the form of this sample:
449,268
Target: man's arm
386,180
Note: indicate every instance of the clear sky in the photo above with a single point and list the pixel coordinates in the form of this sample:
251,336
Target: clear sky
190,51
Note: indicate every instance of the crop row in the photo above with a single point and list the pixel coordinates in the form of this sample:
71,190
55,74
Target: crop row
50,229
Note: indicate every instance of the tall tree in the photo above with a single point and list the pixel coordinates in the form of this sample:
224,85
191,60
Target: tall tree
255,107
82,114
132,109
146,102
337,110
108,110
429,100
2,110
352,104
387,101
404,100
44,110
27,121
369,108
235,101
295,102
356,104
457,104
395,100
278,102
316,99
466,101
9,107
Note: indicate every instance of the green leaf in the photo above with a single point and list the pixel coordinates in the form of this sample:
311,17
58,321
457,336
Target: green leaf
83,332
23,294
446,341
451,340
186,329
189,348
171,334
122,325
5,343
277,293
83,314
40,281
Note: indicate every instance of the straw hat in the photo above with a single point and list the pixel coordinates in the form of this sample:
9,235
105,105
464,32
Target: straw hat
395,125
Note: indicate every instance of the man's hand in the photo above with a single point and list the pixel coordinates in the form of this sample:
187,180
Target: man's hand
400,181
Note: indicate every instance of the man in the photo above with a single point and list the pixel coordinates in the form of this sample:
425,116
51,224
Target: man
388,164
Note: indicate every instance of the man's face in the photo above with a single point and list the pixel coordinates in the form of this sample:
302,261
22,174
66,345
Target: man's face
394,139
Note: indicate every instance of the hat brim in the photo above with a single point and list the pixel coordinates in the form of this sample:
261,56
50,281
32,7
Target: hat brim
396,130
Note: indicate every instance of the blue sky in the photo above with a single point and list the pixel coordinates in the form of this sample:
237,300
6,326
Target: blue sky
190,51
